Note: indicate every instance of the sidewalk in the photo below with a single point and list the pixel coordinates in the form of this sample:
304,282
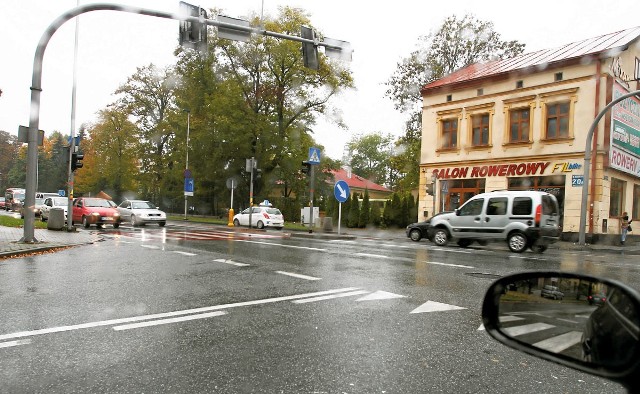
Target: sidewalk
50,239
47,240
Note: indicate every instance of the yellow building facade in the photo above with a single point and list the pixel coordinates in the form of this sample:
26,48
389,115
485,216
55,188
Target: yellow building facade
522,124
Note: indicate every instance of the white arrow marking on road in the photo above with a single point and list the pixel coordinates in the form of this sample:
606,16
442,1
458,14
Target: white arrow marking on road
300,276
167,321
184,253
231,262
380,295
343,193
432,306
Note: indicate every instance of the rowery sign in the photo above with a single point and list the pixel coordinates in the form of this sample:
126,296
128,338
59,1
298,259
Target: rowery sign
508,169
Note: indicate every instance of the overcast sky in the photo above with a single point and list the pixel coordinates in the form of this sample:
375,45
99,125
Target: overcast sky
112,44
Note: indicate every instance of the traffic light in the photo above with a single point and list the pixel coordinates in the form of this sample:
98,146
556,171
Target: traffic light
430,189
192,34
306,167
76,160
257,173
309,51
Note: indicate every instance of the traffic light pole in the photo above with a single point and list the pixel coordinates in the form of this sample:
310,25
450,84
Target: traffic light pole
36,82
311,190
253,163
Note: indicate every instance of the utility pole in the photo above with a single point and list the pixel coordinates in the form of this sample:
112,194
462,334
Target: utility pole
187,163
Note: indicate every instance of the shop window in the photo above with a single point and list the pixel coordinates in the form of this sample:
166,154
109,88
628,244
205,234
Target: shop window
616,199
519,124
480,130
449,133
558,120
636,202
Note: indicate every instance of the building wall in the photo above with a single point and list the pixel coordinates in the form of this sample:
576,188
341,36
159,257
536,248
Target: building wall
585,86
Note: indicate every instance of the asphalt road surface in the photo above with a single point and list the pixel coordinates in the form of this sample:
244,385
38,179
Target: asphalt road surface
189,309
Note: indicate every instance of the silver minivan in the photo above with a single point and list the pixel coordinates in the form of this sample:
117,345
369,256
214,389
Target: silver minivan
525,219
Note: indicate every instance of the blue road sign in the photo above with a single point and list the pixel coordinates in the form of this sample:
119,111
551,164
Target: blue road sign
341,191
61,193
314,156
188,186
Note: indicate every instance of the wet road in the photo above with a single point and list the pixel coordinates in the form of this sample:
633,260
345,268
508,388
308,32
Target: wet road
196,309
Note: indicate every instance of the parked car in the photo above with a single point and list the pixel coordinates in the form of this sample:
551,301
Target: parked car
140,212
261,217
524,219
419,230
94,210
597,299
2,204
54,202
37,208
549,291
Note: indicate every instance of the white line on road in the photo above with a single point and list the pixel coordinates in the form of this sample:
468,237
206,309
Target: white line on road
448,265
300,276
377,256
167,321
328,297
560,342
15,343
231,262
150,246
184,253
51,330
526,329
283,245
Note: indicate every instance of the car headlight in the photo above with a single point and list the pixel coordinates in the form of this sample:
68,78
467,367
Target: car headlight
116,214
95,214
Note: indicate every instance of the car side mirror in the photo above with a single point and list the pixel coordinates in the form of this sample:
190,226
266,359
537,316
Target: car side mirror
457,211
581,330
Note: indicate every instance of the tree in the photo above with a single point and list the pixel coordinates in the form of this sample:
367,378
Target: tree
365,211
354,212
376,214
369,156
8,152
458,42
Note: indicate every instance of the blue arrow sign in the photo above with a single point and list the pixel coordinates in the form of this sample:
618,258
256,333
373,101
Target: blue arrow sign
341,191
314,156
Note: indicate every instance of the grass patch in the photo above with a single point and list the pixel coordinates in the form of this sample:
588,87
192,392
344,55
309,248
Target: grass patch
9,221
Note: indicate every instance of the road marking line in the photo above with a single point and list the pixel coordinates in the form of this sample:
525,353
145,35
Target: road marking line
378,256
168,321
561,342
342,241
150,246
433,306
380,295
51,330
282,245
15,343
300,276
184,253
231,262
503,319
328,297
526,329
448,265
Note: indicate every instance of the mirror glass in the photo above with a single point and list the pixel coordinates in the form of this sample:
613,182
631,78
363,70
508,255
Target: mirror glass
582,319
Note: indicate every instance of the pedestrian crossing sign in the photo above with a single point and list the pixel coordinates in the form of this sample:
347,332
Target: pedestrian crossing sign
314,156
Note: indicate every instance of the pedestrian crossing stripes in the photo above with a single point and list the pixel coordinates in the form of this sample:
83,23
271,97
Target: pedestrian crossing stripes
193,235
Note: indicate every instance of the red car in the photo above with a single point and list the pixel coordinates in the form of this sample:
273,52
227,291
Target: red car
93,210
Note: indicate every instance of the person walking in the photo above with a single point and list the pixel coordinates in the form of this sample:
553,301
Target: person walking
624,227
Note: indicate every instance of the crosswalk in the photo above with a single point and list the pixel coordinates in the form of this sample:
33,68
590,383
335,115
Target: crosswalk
556,335
190,234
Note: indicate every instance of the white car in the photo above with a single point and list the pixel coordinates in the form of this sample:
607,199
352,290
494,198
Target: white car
53,202
140,212
261,217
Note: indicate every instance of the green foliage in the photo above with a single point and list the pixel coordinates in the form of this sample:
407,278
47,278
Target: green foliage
354,212
387,215
365,211
370,155
376,214
8,153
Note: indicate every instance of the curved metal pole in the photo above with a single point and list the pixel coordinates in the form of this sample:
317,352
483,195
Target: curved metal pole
587,163
36,88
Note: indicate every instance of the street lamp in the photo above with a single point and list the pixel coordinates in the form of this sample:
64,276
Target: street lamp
434,179
187,163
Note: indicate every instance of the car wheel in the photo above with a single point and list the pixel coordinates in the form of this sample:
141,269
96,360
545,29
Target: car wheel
236,222
517,242
463,243
42,219
116,225
415,235
161,224
260,225
85,222
441,237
